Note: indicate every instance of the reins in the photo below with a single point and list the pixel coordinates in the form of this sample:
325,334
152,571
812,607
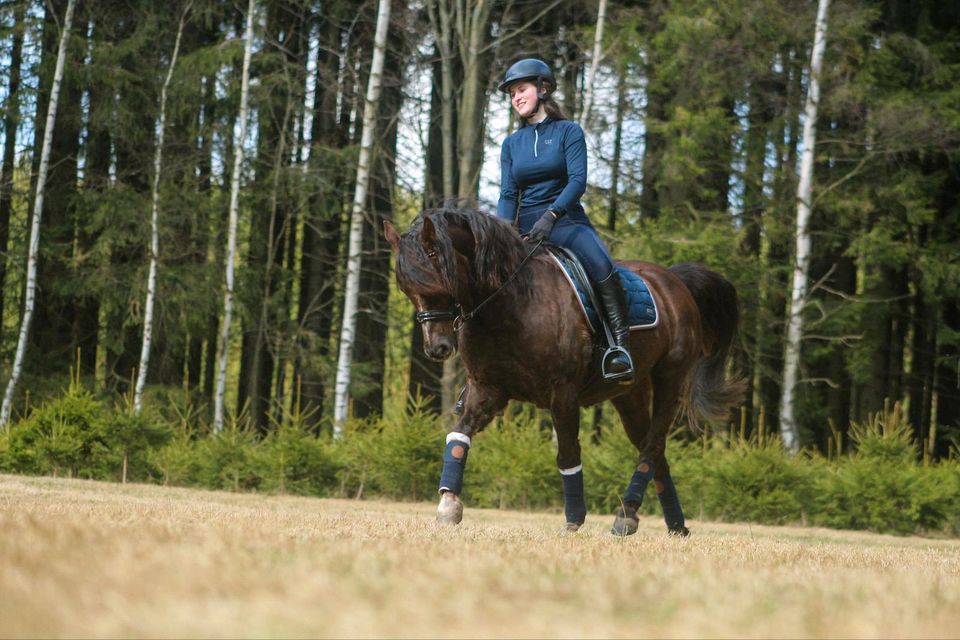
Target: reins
459,320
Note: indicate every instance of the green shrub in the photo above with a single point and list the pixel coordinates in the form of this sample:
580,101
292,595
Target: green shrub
882,488
295,461
757,483
607,467
131,437
228,459
885,437
65,436
396,457
179,462
512,465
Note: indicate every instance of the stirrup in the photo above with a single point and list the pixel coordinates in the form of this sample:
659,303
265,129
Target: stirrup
622,376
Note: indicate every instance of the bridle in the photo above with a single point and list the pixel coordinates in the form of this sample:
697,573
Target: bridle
455,313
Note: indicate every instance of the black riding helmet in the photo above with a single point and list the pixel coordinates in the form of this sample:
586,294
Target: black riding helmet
528,69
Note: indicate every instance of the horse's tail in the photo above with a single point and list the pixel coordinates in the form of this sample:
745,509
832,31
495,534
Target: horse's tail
711,392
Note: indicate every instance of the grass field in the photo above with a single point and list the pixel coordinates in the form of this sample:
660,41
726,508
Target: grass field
91,559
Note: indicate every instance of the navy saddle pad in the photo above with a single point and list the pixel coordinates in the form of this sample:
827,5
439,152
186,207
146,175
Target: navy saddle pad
642,309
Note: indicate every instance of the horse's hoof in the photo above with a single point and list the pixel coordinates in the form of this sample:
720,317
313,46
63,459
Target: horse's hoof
626,522
450,509
573,527
680,532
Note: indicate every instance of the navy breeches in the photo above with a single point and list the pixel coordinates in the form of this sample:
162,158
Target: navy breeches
578,237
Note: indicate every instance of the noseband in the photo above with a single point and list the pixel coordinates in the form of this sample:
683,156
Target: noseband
438,315
455,313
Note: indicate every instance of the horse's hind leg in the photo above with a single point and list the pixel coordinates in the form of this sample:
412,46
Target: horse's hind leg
648,432
666,403
634,410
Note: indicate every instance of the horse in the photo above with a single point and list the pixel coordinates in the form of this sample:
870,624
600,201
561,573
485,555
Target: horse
479,289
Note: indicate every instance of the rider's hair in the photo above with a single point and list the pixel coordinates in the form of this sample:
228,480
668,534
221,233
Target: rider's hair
550,106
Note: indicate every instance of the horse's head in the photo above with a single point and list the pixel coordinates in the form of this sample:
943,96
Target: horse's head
448,261
433,273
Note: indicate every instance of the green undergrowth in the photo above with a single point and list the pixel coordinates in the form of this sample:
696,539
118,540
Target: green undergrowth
878,484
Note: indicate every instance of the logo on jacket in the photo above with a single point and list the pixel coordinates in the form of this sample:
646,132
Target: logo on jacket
548,141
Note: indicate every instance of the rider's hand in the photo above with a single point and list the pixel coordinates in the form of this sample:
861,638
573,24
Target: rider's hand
542,227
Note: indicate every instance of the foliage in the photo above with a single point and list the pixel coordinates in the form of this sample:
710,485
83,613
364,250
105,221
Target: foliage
883,488
294,460
757,483
512,465
880,486
398,458
68,436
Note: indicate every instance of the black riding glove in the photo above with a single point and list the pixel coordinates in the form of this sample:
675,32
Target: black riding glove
542,227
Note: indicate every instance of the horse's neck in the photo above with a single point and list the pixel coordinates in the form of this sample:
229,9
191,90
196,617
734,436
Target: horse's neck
512,297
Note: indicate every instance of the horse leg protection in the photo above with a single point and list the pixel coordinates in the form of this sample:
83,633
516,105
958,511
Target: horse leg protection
672,513
454,460
633,496
574,505
626,522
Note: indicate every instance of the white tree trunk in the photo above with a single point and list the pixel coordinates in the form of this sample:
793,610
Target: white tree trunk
594,63
154,233
352,287
31,284
232,226
791,360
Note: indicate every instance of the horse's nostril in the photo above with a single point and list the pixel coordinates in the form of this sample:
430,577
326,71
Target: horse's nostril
440,352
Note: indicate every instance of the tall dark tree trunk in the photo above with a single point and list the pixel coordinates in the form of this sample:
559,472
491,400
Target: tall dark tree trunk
52,333
948,379
426,374
202,349
654,145
136,98
323,222
754,204
920,380
276,120
11,122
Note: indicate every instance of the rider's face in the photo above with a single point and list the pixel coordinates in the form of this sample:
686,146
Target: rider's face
523,97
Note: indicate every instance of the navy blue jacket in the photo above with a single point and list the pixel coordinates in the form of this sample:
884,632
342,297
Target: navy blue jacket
546,163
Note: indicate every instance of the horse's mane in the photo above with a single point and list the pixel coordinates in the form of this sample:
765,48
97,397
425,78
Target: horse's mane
498,248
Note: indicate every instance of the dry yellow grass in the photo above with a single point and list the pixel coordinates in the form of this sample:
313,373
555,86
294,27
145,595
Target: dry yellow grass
92,559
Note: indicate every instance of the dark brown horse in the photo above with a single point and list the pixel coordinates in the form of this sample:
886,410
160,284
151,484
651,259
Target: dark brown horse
531,342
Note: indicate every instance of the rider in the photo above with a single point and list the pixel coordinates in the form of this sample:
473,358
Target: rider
544,165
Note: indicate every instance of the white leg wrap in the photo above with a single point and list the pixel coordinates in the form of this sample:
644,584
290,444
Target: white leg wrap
572,470
459,437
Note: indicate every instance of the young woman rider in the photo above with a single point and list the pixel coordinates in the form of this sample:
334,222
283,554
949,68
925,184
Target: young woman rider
543,174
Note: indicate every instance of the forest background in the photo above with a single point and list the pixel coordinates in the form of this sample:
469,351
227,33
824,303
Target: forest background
694,132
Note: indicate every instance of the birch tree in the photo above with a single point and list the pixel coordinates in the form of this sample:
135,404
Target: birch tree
232,225
791,363
34,246
154,232
594,63
351,289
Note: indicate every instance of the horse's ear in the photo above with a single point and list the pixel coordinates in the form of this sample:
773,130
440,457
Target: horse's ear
391,235
429,234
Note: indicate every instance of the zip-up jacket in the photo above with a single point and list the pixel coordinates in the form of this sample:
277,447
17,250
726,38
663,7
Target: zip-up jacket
546,164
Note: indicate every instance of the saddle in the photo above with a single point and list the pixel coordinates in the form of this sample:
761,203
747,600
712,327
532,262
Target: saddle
641,307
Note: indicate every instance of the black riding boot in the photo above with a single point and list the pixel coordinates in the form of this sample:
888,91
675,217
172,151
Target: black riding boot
616,361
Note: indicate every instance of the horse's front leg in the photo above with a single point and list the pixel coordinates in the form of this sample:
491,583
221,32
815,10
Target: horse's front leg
566,420
481,404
